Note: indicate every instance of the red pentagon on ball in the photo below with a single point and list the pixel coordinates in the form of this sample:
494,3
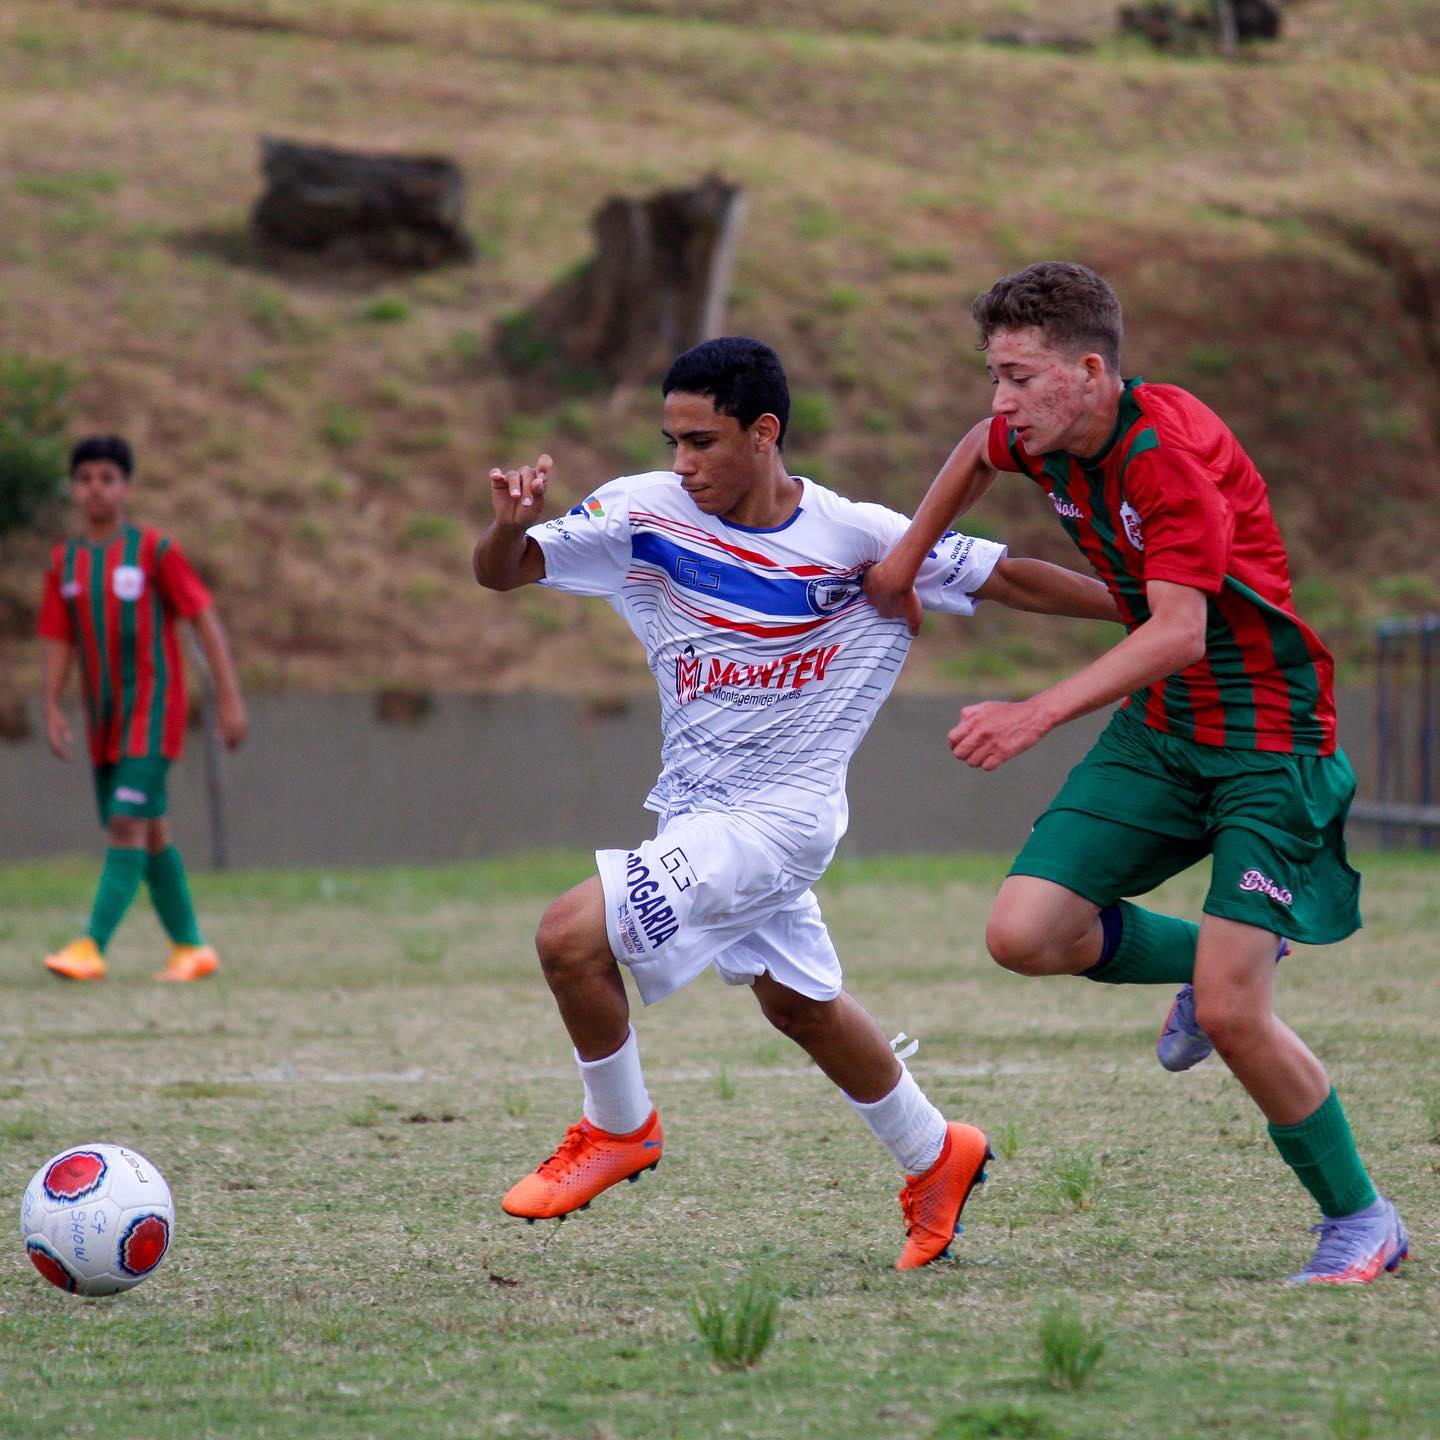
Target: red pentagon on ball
143,1245
74,1176
49,1266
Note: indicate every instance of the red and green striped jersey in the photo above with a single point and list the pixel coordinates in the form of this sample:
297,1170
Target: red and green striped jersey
117,603
1172,496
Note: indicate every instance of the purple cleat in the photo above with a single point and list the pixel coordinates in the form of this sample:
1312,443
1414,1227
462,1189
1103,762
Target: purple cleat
1183,1044
1355,1249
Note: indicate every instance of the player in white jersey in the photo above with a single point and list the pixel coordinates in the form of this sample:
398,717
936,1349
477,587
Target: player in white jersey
744,584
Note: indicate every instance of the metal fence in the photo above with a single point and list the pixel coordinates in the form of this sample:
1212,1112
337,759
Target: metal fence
1406,653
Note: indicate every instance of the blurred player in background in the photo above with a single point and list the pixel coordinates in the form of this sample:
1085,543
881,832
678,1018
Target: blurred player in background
1225,745
743,582
113,596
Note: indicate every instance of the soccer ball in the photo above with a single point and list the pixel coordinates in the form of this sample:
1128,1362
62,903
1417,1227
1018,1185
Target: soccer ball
97,1219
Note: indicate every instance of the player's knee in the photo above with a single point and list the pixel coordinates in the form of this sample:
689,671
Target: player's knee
563,940
127,830
1017,944
1229,1019
794,1016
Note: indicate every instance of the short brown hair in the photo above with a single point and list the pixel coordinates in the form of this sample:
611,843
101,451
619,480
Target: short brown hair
1071,306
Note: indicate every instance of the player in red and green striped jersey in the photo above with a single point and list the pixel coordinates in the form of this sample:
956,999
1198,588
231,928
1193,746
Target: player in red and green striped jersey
113,596
1224,744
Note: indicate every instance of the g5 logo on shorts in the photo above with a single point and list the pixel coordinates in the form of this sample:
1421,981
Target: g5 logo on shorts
128,582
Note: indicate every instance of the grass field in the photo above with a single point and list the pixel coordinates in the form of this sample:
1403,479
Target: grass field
339,1112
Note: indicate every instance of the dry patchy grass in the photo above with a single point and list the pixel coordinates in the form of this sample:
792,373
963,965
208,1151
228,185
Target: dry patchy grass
341,1265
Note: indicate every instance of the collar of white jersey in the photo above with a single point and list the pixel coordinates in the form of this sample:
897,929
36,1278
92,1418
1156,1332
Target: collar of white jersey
804,485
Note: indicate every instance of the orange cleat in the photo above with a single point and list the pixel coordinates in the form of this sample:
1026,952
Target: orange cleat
588,1161
189,962
79,960
932,1202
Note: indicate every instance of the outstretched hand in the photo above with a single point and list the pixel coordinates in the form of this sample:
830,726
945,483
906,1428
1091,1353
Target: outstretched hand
893,596
519,495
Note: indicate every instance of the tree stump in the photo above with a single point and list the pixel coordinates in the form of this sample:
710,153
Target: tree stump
402,210
1228,21
659,279
1256,19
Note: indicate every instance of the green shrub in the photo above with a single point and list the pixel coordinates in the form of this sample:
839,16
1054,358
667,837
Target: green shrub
995,1422
844,299
1070,1346
342,426
815,222
73,186
641,448
33,396
1008,1139
387,310
422,526
737,1324
520,342
1075,1179
1205,358
922,259
811,415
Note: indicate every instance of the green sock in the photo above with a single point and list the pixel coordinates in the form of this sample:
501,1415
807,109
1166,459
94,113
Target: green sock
1143,948
170,894
1321,1151
119,880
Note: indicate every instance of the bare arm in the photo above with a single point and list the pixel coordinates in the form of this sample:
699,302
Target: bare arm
1046,589
229,703
1172,638
505,556
58,656
963,479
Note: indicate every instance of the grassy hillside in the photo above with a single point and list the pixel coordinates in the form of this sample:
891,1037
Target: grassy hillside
319,439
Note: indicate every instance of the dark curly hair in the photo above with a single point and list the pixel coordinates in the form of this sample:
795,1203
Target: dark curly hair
743,377
103,447
1071,306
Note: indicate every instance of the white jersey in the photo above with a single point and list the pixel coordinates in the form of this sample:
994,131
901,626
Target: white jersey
770,662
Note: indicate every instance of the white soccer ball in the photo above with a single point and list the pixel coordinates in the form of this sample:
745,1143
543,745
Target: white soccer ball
97,1219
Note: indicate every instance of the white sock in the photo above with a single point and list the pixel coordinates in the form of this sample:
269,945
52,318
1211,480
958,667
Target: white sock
906,1124
615,1095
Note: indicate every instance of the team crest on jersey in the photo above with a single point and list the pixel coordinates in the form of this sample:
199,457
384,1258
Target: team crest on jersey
1130,518
831,592
128,582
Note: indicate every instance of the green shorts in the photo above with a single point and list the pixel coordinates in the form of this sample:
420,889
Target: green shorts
131,787
1143,806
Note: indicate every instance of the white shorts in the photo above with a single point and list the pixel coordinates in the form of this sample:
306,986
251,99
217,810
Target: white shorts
709,891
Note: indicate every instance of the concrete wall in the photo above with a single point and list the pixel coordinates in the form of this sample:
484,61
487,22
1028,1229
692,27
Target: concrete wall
324,780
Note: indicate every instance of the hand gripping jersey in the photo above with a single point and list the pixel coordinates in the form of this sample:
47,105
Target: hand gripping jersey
770,662
117,604
1172,496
